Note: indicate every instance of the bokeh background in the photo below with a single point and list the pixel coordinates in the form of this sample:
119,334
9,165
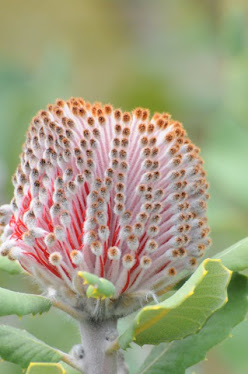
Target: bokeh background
189,58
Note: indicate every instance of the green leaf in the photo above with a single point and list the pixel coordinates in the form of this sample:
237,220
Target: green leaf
235,257
69,370
185,312
21,304
21,348
176,357
45,368
12,267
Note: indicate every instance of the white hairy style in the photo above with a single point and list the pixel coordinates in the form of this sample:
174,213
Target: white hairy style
120,195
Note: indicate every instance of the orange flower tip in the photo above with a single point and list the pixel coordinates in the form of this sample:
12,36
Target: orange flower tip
50,240
126,118
96,248
182,251
175,253
151,246
145,262
138,112
114,253
88,105
145,115
117,114
193,261
60,103
108,109
132,242
128,261
102,120
172,272
55,259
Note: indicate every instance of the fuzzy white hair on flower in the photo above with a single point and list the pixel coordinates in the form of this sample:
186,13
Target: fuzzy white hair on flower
119,195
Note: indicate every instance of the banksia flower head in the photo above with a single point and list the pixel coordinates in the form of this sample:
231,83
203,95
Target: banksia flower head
119,195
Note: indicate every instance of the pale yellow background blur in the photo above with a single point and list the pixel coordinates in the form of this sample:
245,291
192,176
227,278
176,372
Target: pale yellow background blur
187,57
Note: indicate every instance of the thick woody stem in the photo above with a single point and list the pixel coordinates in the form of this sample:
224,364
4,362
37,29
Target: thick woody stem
97,337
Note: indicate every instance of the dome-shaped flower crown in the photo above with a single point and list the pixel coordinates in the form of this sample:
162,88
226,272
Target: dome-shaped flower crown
119,195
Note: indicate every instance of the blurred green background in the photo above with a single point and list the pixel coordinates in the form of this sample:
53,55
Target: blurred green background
189,58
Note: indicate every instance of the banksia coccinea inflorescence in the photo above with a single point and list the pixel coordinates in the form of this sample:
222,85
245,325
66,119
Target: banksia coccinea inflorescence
119,195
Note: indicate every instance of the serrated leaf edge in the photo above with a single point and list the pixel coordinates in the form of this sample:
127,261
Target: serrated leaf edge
37,297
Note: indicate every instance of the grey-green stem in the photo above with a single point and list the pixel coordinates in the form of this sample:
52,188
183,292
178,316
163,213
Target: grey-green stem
92,355
67,309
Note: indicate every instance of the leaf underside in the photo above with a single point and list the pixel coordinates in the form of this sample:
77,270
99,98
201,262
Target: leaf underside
176,357
21,304
185,312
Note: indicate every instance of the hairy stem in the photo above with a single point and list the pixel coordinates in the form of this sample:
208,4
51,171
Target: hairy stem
114,346
71,362
67,309
97,337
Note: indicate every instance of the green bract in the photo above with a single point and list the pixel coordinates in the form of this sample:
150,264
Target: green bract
98,287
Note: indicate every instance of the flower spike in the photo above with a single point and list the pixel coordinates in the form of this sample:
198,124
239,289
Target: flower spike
121,196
